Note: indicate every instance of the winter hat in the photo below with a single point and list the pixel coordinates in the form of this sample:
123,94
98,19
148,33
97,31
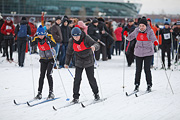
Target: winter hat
75,31
8,19
58,18
130,20
81,24
23,18
166,23
77,26
32,20
41,31
143,21
94,21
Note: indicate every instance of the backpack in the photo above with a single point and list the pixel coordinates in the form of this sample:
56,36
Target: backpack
22,31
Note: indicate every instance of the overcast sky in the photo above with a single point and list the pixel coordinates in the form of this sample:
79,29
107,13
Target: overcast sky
157,6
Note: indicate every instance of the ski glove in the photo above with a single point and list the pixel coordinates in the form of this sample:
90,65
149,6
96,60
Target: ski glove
156,43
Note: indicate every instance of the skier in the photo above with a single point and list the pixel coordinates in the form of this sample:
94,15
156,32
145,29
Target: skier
46,59
166,43
8,30
129,45
143,51
22,30
83,47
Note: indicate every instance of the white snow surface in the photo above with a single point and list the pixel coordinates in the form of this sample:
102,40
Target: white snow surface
16,83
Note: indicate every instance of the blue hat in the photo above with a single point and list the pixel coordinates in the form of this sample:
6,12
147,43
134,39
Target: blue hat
166,23
75,31
41,31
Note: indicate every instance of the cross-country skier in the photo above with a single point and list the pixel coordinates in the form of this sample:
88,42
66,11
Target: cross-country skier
143,51
46,59
83,47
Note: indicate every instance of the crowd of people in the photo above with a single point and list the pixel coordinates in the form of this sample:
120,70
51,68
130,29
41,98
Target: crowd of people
72,38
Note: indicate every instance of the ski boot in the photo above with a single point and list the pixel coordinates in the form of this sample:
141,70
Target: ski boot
149,88
39,96
51,95
136,89
96,97
74,101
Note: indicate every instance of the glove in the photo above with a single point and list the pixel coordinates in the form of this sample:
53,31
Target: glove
156,43
48,39
125,33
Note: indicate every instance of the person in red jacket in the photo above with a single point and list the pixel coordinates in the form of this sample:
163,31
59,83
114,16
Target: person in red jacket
119,38
8,30
33,32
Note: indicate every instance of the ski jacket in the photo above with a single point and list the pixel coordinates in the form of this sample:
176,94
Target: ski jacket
166,35
84,55
56,33
118,33
33,29
8,28
66,33
45,51
93,32
144,42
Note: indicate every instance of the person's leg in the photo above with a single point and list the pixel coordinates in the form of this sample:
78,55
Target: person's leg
163,55
6,48
57,51
23,50
43,69
77,82
147,70
91,79
169,55
49,74
139,62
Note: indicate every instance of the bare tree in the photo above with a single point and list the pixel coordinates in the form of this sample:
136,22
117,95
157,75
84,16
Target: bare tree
82,13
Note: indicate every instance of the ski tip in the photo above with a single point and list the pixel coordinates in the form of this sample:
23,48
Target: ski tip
136,95
54,108
15,102
127,94
83,105
67,99
28,104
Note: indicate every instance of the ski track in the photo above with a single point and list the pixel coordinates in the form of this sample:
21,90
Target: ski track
16,83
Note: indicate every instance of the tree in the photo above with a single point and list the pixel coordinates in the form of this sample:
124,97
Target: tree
68,11
82,13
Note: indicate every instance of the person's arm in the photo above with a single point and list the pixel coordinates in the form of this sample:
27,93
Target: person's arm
28,30
34,41
51,40
54,33
16,29
91,33
132,35
3,31
152,36
69,53
91,43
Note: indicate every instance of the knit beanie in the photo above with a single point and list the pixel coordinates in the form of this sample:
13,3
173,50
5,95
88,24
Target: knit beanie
166,23
58,18
75,31
41,31
94,21
143,21
8,19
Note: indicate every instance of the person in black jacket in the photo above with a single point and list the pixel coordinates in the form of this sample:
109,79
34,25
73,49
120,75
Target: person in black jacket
2,42
83,47
129,50
66,34
22,39
166,43
93,32
47,54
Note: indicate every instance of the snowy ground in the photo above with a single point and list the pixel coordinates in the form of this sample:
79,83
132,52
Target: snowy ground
16,83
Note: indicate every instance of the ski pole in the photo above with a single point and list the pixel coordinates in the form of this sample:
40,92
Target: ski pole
98,74
32,68
124,62
67,99
167,77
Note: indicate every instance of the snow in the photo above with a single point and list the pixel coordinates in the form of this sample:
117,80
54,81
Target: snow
16,83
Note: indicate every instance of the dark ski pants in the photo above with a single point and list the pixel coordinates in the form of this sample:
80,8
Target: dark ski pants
118,47
103,51
78,78
147,62
9,42
166,48
21,44
46,65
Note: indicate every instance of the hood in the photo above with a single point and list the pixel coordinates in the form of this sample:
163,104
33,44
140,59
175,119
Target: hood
22,22
81,24
150,22
10,24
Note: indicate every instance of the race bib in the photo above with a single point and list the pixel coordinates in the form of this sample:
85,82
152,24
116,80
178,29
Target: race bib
167,36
